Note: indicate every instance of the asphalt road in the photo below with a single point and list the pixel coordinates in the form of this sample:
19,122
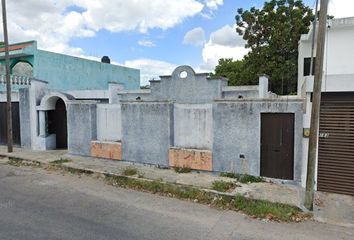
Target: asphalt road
37,204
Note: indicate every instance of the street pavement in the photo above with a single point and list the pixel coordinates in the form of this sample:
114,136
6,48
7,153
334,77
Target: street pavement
38,204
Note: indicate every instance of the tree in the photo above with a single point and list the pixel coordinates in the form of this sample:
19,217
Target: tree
231,70
272,34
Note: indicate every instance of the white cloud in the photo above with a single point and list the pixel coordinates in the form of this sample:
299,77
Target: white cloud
50,23
227,36
223,43
213,4
195,37
146,43
341,8
142,15
151,69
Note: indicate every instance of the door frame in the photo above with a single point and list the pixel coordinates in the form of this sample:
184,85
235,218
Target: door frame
291,169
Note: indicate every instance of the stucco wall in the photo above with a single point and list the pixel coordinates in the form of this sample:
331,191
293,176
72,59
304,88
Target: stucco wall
25,124
82,128
109,122
147,131
71,73
193,88
237,128
193,125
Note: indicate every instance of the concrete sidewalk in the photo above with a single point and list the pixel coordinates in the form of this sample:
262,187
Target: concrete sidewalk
282,193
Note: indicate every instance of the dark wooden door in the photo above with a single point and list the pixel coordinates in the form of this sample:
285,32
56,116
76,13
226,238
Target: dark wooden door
57,124
15,124
277,145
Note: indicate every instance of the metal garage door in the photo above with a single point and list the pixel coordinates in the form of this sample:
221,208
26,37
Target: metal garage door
15,123
336,144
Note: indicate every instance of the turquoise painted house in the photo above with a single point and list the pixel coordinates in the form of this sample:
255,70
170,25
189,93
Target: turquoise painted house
65,73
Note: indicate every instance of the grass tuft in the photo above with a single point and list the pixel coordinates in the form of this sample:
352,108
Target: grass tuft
243,178
19,162
229,175
182,169
223,186
250,179
130,171
61,161
265,209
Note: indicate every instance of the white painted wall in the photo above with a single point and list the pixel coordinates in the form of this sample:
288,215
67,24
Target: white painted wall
109,122
339,57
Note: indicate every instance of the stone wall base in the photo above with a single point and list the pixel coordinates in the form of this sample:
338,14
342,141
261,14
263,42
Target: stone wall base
109,150
191,158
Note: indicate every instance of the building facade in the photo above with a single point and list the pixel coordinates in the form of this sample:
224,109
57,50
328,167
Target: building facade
335,163
66,73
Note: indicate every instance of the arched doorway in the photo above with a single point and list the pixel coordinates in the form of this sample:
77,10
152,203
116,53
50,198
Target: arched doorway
57,124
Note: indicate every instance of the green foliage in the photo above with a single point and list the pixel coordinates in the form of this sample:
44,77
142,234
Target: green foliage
250,179
265,209
223,186
130,171
229,175
233,70
272,34
242,178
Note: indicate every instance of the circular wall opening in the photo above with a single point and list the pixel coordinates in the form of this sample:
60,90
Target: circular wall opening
183,74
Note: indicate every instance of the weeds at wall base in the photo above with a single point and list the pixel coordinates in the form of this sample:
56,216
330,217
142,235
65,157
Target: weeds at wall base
243,178
19,162
255,208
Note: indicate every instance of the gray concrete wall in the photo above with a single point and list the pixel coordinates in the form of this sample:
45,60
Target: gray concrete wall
194,88
132,95
109,122
239,94
82,128
14,96
25,121
37,91
237,128
147,132
193,126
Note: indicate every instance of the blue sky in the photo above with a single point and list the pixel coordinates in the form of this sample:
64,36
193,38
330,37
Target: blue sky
169,43
152,35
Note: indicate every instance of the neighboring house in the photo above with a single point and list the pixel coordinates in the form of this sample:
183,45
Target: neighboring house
72,78
65,73
335,164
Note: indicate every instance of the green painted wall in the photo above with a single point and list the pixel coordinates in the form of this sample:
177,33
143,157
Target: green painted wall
71,73
65,72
